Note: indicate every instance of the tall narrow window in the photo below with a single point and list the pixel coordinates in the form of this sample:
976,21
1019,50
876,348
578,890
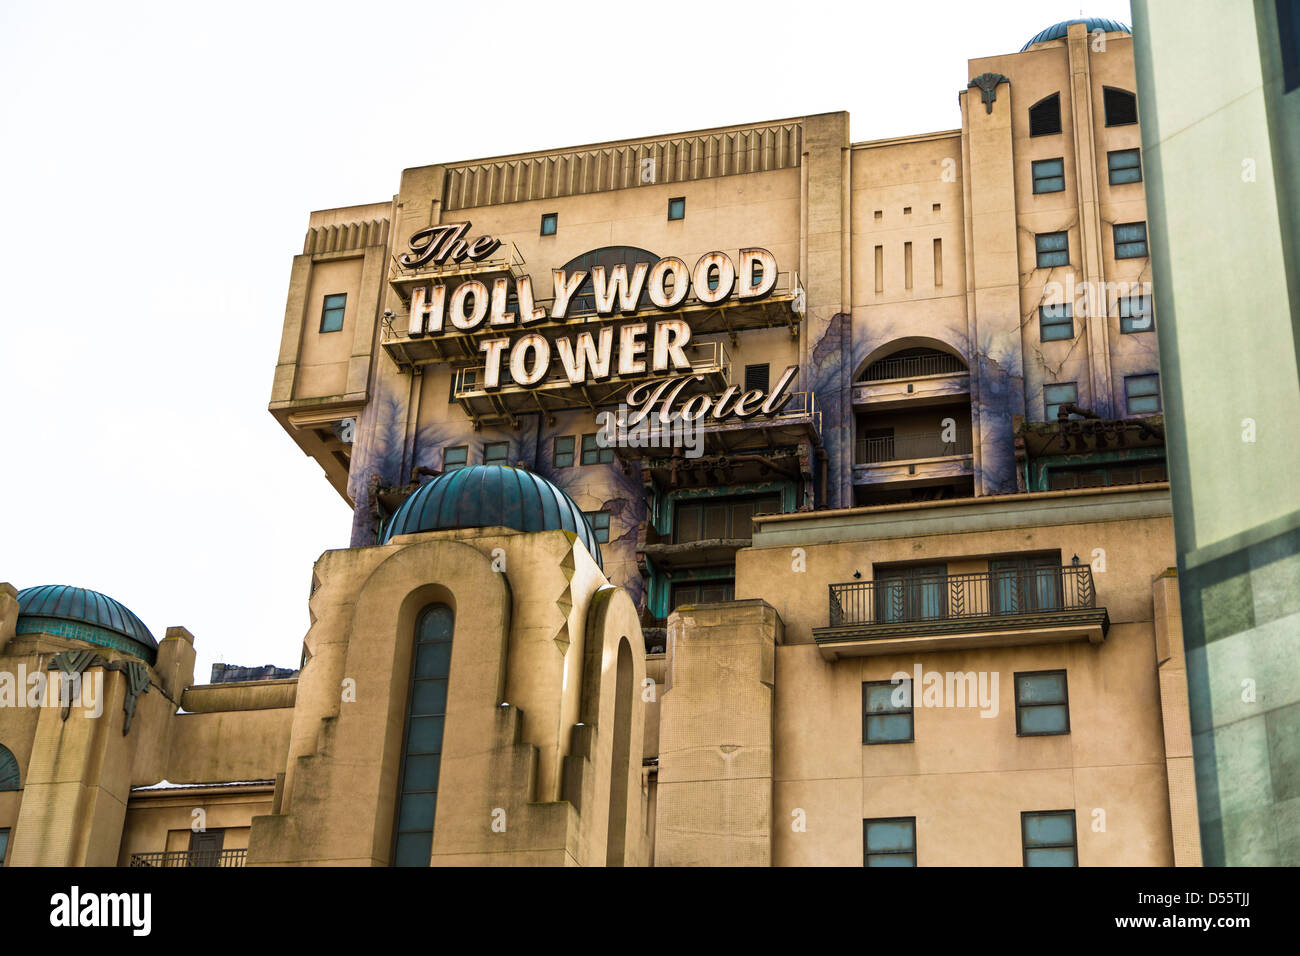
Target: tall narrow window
1049,175
1045,116
1124,166
880,269
8,770
1142,394
1130,240
1049,838
1052,249
938,263
907,265
4,844
426,713
331,314
1121,107
562,452
889,842
206,846
1288,32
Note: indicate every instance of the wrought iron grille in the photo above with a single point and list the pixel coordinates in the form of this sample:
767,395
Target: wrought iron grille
954,596
871,451
914,366
191,858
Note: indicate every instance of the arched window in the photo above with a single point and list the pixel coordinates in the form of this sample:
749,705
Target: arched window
426,711
1121,106
1045,116
608,257
8,770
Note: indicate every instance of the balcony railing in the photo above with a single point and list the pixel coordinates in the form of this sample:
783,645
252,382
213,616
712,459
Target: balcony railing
955,596
914,366
874,451
191,858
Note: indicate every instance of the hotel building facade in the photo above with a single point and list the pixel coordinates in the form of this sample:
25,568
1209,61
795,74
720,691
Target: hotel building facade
743,496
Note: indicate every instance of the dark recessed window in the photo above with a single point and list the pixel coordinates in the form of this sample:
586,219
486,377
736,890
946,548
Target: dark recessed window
562,452
1142,394
453,459
550,222
887,712
710,591
495,452
1130,240
889,842
1125,166
1049,176
1121,107
720,518
1135,314
1054,396
1052,248
1056,322
4,844
1288,31
1042,706
451,387
756,376
592,453
1049,838
331,316
1045,116
599,521
677,208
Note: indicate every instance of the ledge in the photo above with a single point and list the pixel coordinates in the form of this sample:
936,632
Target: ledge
1054,627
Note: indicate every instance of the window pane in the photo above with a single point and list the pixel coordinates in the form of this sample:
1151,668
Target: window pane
1040,688
432,660
1050,167
425,735
413,849
889,727
677,209
1052,241
1048,828
1131,232
549,223
890,835
416,812
421,773
883,698
1051,719
1057,857
430,695
891,859
1142,385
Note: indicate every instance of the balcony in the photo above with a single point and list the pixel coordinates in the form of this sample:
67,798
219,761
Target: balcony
1035,605
875,451
911,378
188,858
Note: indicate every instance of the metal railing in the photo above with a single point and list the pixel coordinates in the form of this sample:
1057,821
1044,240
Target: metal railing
505,258
191,858
914,366
872,451
895,600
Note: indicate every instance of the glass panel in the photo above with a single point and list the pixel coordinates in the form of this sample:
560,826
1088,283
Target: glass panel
421,773
883,698
890,835
433,660
891,859
1050,167
1043,720
425,735
429,696
1049,828
1130,232
416,812
715,521
889,727
1119,177
1143,406
413,849
1040,689
564,451
1056,857
1142,385
1052,241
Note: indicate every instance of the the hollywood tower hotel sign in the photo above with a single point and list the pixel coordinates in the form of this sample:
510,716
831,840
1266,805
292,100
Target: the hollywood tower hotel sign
651,350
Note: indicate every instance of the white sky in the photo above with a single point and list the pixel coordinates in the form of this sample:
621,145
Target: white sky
157,165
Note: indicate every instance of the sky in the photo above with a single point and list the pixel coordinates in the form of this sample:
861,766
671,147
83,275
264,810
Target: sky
157,166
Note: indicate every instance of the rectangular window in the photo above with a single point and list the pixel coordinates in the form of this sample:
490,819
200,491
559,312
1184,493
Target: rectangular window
712,591
495,452
677,208
1053,249
1130,240
1049,838
1025,585
757,376
1042,704
889,842
599,521
455,458
4,845
1135,314
1056,322
1125,166
550,222
592,453
1054,396
331,316
887,712
1288,31
1049,175
1142,394
720,518
562,452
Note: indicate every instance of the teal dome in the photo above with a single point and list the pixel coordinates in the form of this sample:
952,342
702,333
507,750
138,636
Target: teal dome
84,615
487,496
1058,30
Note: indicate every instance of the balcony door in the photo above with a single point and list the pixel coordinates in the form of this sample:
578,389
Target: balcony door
914,593
206,846
1025,585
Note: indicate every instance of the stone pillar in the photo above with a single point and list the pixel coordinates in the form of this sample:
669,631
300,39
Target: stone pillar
715,736
1181,776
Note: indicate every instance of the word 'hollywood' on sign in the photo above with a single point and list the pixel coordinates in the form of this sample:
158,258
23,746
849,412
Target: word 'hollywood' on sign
589,355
